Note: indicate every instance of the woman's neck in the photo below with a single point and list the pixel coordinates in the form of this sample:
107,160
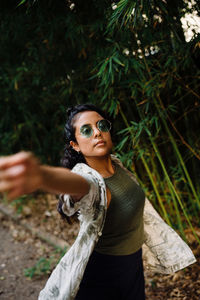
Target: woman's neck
103,165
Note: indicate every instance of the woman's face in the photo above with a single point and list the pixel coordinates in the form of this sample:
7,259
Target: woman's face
99,144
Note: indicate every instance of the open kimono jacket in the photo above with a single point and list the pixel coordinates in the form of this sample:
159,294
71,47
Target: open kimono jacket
163,251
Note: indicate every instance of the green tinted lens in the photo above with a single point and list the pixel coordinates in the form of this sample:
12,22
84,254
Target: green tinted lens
86,130
104,125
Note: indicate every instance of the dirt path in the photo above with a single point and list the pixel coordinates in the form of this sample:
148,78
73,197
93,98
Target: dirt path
15,256
20,250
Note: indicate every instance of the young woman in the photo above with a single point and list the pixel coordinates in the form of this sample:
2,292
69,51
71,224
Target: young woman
105,262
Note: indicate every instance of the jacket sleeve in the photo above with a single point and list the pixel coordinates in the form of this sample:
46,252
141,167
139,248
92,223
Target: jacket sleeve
85,204
164,251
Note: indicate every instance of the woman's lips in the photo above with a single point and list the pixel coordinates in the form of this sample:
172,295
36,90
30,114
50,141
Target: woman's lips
100,143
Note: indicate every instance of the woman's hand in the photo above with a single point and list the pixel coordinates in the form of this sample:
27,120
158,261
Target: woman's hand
19,174
22,174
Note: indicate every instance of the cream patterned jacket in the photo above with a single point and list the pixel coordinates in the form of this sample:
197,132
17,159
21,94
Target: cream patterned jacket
164,251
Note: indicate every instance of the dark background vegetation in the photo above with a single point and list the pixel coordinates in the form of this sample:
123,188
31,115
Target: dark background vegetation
132,61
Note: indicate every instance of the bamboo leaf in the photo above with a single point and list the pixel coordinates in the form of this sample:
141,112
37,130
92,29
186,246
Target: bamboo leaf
118,61
122,143
22,2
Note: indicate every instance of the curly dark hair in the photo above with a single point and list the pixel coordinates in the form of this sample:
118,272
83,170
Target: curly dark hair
72,157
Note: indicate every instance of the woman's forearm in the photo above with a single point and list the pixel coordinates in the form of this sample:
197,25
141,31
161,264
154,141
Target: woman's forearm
61,180
22,173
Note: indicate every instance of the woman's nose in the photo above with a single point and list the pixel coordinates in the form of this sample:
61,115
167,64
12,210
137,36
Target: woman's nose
97,132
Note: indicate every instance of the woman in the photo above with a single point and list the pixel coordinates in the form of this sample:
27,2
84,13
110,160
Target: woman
105,262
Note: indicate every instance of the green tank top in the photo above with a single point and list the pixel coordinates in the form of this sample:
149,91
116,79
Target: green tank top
123,231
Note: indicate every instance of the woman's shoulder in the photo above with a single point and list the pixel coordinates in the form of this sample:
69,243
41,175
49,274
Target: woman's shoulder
86,171
116,160
81,167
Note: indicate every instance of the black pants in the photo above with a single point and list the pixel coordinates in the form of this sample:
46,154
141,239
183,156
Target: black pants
109,277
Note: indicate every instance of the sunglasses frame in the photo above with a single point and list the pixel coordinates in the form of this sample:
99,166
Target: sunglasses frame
97,124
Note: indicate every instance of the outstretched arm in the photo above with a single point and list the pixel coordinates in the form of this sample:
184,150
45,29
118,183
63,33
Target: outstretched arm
22,173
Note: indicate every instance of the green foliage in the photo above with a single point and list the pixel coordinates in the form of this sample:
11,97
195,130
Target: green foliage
45,264
21,201
131,58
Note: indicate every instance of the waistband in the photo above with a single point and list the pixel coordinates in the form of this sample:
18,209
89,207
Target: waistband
107,258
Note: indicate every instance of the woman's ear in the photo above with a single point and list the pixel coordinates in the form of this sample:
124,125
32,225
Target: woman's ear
75,146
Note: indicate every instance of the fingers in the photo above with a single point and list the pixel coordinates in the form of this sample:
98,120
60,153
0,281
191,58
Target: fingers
19,174
12,160
12,172
14,194
11,180
5,186
12,189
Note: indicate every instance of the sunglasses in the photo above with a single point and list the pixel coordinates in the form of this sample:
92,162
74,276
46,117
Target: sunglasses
103,126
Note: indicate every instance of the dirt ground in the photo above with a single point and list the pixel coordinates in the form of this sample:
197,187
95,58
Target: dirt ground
21,251
15,256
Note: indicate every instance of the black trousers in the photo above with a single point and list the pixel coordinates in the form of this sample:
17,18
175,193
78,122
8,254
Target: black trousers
109,277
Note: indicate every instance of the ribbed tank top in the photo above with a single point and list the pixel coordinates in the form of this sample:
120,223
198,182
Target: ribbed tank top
123,231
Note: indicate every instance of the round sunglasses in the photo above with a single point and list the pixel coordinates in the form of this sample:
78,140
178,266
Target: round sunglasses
103,125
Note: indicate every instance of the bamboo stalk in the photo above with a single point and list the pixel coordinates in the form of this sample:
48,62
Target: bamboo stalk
172,139
179,157
161,185
177,197
171,187
149,173
177,152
